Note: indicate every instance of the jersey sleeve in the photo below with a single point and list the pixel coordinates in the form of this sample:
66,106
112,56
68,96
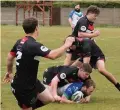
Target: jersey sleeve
71,14
66,72
13,50
81,25
71,89
40,50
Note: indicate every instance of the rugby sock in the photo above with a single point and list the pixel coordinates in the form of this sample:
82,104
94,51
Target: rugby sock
118,86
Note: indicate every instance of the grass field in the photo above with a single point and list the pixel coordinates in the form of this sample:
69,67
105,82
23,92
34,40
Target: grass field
105,97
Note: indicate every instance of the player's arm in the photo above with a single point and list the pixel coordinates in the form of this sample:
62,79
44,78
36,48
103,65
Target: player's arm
9,76
88,35
54,84
38,49
70,19
66,96
65,100
10,60
59,51
68,57
82,28
86,99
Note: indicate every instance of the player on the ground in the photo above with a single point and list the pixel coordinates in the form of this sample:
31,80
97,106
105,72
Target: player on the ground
58,76
68,90
27,89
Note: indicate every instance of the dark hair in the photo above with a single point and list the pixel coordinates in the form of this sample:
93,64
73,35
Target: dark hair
86,67
30,24
76,5
93,9
89,82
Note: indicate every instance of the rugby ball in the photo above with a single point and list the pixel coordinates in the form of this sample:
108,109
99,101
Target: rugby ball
77,96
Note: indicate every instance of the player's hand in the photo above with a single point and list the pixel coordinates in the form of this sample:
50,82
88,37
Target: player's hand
8,77
57,98
84,100
96,33
69,41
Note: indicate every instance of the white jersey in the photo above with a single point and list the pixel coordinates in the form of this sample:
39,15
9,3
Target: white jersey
75,16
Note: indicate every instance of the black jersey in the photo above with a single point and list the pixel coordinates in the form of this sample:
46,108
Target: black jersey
66,74
83,25
87,48
27,52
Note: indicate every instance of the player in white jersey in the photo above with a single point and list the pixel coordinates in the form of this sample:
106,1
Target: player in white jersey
74,16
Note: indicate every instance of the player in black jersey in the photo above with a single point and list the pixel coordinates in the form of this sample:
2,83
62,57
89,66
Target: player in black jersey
58,76
85,28
27,89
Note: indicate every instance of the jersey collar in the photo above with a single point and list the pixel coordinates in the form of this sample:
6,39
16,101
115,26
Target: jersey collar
88,20
29,37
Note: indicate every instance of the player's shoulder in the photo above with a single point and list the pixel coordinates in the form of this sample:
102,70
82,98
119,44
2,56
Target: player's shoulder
73,68
18,41
34,44
82,20
72,11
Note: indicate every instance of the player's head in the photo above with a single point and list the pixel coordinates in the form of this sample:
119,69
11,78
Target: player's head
84,71
30,26
77,8
92,13
88,87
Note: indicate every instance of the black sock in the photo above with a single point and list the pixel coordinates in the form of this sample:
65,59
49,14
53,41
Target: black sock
118,86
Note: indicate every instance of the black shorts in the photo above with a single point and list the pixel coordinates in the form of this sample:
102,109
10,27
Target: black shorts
94,60
28,99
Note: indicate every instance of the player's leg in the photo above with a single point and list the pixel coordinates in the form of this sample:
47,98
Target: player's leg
101,68
43,95
25,101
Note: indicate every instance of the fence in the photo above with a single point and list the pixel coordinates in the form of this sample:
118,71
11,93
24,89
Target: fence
109,16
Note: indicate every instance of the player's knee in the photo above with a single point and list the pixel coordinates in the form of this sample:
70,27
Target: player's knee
101,70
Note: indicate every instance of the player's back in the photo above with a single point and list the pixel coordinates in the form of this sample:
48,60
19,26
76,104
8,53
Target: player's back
26,63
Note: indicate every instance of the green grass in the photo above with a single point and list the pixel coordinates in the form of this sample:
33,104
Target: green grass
105,97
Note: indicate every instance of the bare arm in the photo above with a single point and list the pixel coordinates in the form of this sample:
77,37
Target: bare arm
88,35
70,21
67,60
65,100
8,76
59,51
54,84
